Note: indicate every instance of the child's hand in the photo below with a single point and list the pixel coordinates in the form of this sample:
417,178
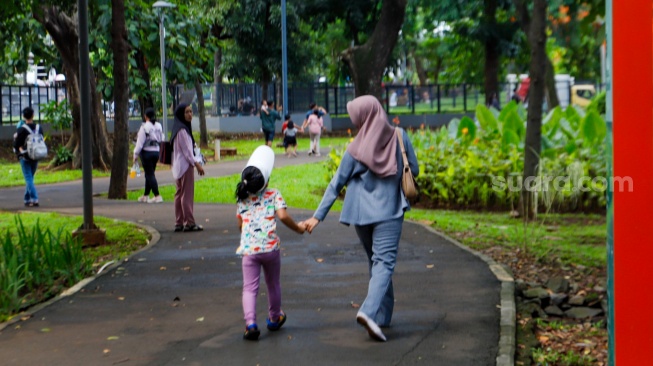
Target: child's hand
310,224
301,227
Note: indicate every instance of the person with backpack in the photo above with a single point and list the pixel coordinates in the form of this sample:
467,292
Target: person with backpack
30,148
149,138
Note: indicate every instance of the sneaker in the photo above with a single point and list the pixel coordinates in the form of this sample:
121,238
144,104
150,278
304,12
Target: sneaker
143,199
35,204
372,328
156,199
274,326
251,332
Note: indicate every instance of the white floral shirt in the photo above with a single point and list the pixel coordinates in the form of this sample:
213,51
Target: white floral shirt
259,231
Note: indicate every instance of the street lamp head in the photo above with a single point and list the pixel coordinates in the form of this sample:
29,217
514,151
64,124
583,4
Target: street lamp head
163,4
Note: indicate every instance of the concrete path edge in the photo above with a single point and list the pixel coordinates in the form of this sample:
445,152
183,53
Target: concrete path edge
507,336
155,237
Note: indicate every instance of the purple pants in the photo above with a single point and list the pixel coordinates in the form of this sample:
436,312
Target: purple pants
271,263
184,198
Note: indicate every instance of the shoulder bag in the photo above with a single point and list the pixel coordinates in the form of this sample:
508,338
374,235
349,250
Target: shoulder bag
408,184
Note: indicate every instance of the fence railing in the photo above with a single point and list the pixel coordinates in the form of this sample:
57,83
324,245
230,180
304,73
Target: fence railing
245,99
14,98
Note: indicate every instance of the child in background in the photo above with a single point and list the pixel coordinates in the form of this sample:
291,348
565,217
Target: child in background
290,139
286,119
259,244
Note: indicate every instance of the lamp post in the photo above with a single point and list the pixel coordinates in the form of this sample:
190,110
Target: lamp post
162,35
284,59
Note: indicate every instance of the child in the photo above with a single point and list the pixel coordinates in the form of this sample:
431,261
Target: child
259,243
290,139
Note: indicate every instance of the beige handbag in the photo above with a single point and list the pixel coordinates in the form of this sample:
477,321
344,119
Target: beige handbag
407,180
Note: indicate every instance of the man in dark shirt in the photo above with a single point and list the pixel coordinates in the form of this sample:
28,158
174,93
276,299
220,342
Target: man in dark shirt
27,165
268,117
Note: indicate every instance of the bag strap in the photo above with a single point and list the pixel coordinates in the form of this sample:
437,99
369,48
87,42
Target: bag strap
25,126
401,144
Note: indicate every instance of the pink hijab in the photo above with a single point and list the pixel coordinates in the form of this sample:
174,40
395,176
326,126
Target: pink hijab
375,144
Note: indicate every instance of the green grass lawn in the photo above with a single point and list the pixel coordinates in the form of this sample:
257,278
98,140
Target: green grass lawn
13,176
573,238
124,237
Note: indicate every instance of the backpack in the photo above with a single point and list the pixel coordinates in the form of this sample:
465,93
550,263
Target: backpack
151,138
35,144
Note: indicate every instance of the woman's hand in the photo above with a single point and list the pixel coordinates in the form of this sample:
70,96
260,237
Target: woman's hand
200,170
311,224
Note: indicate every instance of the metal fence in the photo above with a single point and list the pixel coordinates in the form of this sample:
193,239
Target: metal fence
14,98
245,99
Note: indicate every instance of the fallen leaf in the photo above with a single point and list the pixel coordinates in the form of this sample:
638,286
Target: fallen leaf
430,266
200,319
162,269
354,305
289,337
45,330
319,260
106,350
25,317
142,259
112,338
121,298
186,269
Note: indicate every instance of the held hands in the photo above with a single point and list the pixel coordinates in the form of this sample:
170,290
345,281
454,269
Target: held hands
310,224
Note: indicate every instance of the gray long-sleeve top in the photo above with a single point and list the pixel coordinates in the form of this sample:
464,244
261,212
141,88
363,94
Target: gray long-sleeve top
369,198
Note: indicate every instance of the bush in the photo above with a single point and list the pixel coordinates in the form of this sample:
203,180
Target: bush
479,163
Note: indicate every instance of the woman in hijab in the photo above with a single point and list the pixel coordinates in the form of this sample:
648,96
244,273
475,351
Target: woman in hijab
371,168
183,161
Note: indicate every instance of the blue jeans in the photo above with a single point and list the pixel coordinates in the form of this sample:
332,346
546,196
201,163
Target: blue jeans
29,169
381,242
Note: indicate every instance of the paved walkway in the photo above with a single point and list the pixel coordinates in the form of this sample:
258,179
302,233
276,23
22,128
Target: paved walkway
179,301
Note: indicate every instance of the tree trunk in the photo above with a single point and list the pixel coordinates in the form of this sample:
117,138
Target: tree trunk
551,90
63,30
217,79
145,100
367,62
120,47
492,53
537,41
525,23
421,71
204,140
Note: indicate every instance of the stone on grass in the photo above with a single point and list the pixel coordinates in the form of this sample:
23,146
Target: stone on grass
558,284
577,300
581,312
553,310
536,292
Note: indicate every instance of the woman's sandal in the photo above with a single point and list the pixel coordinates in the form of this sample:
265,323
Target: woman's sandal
193,227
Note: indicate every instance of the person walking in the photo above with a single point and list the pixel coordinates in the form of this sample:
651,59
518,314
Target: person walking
28,165
148,139
315,126
259,243
183,160
268,116
374,203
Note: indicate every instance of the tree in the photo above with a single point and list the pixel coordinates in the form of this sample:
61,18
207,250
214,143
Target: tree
525,23
367,62
120,47
62,25
537,41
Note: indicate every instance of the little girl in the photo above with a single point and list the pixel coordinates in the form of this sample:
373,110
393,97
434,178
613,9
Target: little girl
259,244
290,139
